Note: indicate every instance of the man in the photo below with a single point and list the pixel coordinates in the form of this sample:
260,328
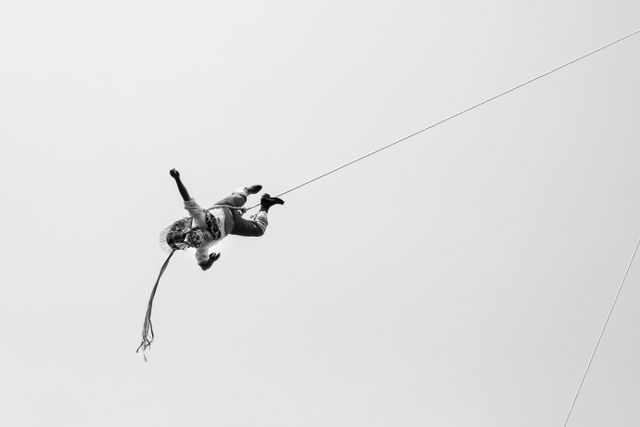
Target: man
204,228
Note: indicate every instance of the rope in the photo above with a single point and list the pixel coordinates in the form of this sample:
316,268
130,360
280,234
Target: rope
606,322
459,113
147,332
147,326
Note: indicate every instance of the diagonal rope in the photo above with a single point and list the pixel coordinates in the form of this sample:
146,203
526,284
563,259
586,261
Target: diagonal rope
606,322
459,113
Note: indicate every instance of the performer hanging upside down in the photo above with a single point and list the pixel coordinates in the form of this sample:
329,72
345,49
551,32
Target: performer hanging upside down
204,228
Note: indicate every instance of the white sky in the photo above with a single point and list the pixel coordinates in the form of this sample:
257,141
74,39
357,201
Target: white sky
459,279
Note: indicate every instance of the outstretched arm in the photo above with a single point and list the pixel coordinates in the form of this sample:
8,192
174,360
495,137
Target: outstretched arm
194,209
183,190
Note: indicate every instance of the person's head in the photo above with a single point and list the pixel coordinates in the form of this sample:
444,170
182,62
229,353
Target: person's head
176,240
194,238
184,239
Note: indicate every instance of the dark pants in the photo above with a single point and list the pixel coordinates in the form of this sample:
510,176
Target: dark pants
241,226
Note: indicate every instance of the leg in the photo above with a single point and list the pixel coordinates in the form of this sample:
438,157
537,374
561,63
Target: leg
249,228
238,198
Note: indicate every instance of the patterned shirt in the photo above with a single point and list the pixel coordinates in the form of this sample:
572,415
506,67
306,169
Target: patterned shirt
199,216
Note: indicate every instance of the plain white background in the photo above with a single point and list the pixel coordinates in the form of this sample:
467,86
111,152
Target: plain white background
459,279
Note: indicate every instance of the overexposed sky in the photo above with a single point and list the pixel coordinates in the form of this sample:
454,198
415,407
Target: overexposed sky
459,279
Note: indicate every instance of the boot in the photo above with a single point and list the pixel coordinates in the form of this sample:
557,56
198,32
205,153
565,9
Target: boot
267,201
254,189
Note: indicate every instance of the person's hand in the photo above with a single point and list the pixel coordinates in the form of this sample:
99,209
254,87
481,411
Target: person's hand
174,173
208,263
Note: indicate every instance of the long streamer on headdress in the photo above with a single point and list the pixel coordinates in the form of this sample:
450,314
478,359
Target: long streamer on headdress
147,327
